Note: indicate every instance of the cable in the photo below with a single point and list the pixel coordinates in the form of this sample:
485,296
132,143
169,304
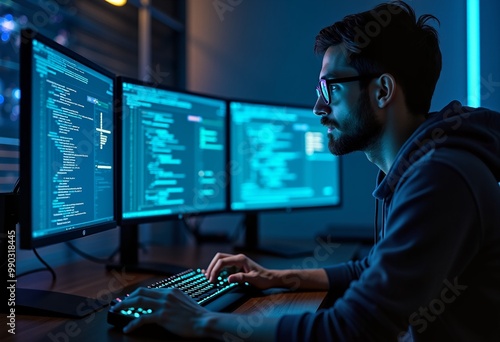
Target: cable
31,271
17,190
46,265
90,257
17,186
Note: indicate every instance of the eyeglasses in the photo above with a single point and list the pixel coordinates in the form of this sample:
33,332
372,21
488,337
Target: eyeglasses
323,87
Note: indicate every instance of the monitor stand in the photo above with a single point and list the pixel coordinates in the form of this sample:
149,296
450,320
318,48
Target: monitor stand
252,245
32,301
129,256
56,304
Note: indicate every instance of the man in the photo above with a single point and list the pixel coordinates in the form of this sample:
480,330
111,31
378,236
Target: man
434,271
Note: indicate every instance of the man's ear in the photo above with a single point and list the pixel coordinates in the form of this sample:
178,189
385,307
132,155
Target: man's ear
385,88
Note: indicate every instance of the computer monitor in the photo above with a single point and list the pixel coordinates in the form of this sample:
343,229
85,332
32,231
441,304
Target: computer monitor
67,158
173,152
279,160
172,156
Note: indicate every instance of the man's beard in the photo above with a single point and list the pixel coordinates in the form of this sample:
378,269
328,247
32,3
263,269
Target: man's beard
357,133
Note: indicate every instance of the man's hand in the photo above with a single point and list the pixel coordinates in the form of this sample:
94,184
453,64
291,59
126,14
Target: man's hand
172,309
250,271
263,278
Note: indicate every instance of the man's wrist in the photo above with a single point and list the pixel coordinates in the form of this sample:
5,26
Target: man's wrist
295,279
289,279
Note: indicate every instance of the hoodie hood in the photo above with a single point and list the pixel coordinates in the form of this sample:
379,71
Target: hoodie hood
476,130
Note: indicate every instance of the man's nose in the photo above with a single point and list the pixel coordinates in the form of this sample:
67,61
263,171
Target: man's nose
321,108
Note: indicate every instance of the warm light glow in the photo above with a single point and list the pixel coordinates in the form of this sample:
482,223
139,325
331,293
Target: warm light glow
117,2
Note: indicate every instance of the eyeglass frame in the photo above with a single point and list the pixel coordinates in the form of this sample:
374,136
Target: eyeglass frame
325,83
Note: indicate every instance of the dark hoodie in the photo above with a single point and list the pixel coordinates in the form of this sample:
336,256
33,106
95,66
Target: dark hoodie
434,273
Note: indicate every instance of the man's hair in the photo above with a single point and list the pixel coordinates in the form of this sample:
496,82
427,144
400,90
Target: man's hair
389,39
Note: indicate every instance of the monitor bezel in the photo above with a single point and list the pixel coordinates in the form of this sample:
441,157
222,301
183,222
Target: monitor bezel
283,208
119,110
26,151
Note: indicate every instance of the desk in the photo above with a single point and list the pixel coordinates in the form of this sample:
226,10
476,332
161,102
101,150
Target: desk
89,279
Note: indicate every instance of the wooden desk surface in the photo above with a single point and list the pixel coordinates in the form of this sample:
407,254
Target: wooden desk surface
89,279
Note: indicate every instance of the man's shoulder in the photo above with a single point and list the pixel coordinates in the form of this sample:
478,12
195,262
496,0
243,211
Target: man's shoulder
441,162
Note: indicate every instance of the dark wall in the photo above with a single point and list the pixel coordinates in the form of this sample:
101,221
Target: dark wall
490,54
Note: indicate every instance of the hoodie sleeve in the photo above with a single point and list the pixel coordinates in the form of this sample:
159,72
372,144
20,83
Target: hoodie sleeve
340,276
406,269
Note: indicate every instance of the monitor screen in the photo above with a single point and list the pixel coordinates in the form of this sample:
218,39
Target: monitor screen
66,144
279,159
173,152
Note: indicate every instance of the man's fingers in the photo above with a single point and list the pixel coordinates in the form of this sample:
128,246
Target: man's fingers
214,261
227,261
237,278
142,320
136,301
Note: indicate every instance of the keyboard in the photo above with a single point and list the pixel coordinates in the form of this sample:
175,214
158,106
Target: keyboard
219,296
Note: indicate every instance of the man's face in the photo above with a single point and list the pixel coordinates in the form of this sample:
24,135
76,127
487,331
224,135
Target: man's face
350,118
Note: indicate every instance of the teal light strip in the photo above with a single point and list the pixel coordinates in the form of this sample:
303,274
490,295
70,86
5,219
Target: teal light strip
473,54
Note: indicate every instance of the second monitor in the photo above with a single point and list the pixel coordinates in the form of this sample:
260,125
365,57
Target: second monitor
279,160
172,152
172,157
